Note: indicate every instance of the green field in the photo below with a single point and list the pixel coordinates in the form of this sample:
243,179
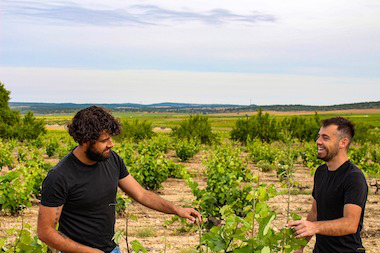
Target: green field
218,121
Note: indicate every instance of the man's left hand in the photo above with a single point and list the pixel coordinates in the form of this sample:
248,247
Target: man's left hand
189,213
303,228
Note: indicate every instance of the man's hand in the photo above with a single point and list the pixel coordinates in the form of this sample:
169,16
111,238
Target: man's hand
303,228
189,213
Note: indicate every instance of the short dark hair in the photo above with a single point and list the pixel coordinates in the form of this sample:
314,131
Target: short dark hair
344,126
89,123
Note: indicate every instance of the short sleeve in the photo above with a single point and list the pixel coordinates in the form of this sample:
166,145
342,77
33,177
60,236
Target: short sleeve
123,169
356,190
54,190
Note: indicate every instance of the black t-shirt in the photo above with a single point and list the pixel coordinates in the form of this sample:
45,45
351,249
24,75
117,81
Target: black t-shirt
332,190
88,196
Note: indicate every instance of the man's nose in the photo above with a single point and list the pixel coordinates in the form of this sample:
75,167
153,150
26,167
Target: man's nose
110,144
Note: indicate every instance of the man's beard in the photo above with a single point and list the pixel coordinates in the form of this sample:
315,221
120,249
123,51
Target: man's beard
330,153
95,156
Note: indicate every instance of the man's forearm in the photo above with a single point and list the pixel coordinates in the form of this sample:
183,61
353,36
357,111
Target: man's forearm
61,242
339,227
157,203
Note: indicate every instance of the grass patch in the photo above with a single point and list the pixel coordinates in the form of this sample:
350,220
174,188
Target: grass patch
144,232
187,250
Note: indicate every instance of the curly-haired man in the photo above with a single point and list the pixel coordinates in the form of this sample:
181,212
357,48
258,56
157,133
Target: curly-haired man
340,193
79,193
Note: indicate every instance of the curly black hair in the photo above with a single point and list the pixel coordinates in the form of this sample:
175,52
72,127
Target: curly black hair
89,123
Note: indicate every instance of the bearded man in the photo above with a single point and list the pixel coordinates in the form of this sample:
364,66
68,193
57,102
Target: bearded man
340,193
79,193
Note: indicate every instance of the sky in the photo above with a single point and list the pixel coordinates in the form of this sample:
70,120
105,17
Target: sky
211,51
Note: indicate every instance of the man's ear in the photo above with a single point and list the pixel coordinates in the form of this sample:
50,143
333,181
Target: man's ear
343,143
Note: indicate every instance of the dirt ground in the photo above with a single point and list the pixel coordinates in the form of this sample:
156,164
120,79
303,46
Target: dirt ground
150,229
62,127
55,127
353,111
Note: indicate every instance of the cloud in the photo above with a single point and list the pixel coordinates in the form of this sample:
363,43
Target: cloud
69,13
214,16
65,13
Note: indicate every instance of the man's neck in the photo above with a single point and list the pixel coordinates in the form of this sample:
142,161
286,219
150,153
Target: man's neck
80,153
337,161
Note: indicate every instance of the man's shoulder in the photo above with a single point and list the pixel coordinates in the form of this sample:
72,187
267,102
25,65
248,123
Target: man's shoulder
59,173
63,165
354,175
67,159
352,169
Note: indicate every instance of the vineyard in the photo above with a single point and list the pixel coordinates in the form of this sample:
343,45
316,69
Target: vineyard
247,183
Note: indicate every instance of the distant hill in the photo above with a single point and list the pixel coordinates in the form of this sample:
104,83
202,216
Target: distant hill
52,108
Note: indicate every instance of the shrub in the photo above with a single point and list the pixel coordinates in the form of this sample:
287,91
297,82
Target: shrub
195,128
371,169
136,130
267,129
265,166
225,175
309,156
238,234
30,127
126,151
262,151
6,158
302,128
12,126
38,142
15,191
375,154
35,171
51,147
22,154
176,170
25,242
365,132
259,126
150,170
156,144
186,149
